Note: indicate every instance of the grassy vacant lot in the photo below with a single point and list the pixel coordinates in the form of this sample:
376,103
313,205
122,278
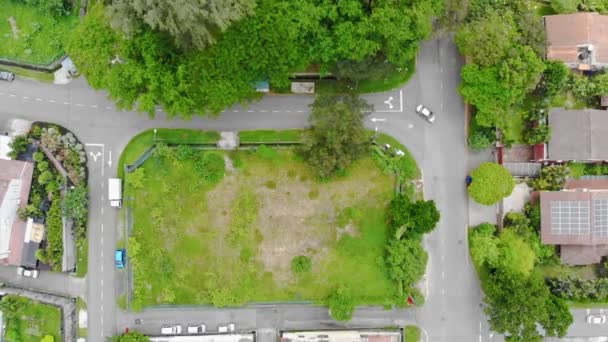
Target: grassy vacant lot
232,241
37,37
29,321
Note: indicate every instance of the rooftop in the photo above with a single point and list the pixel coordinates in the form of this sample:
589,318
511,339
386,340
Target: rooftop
245,337
578,134
578,38
342,336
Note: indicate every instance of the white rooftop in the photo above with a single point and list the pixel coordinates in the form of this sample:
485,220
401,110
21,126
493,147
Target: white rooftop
204,338
8,214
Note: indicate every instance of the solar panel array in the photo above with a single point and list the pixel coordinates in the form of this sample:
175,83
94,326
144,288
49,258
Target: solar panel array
600,218
570,217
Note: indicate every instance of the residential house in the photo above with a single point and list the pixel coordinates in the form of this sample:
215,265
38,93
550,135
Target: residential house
576,135
576,219
580,40
15,182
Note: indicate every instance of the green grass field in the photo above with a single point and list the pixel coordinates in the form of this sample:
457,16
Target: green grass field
40,36
29,321
233,242
412,333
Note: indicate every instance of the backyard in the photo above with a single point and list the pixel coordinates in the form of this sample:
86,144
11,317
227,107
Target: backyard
31,34
203,237
30,321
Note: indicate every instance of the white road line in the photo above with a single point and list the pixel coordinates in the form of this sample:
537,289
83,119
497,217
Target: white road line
93,106
235,111
479,326
263,111
79,105
287,111
66,103
425,334
12,95
250,111
442,272
108,107
87,144
26,97
275,111
300,111
401,100
102,288
102,227
38,99
102,210
52,101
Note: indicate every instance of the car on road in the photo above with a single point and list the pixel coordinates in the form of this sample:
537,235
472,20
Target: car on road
174,329
596,319
196,329
425,113
26,272
224,328
120,258
7,76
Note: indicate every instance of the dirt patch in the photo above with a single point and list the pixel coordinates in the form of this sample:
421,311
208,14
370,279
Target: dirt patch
219,202
14,27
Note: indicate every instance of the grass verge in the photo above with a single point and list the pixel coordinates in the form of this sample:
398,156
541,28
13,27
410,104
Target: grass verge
36,37
82,261
47,77
411,333
82,305
29,321
268,136
143,141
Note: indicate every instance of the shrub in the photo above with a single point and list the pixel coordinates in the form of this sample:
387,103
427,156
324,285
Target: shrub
301,264
412,218
45,177
491,183
266,152
54,230
538,134
554,79
552,178
480,140
565,6
76,204
42,166
341,304
211,167
18,145
577,170
39,156
135,179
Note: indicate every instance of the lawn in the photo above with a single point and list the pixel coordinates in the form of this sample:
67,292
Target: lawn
515,128
36,37
267,136
29,321
231,240
143,141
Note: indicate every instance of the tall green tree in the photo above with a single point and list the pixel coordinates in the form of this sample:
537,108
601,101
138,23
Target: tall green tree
406,261
341,304
191,23
337,136
491,183
487,40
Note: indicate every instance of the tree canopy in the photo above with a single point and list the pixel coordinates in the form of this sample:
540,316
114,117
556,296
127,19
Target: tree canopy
412,219
491,183
191,23
341,304
144,68
406,260
337,136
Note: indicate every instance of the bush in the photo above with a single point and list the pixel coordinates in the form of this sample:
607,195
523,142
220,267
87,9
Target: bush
341,304
565,6
491,183
577,170
301,264
76,204
18,145
412,218
211,167
552,178
45,177
480,140
538,134
554,79
54,233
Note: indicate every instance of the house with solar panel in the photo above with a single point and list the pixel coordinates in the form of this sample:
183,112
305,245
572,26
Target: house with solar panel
576,220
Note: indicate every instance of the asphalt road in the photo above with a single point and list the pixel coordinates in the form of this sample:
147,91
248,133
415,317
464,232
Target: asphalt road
453,308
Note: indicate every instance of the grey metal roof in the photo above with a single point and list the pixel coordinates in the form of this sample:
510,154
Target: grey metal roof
578,134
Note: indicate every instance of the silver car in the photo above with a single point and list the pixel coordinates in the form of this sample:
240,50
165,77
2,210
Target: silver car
7,76
596,319
425,113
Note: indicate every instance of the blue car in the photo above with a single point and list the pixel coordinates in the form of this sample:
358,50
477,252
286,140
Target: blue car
120,258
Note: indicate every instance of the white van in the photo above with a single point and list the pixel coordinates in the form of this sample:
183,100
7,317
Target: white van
171,329
115,192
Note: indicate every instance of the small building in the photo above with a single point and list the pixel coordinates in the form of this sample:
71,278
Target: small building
361,335
237,337
303,87
576,135
576,219
15,182
580,40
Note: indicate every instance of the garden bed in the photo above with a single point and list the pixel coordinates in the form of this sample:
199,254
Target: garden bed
30,34
233,241
30,321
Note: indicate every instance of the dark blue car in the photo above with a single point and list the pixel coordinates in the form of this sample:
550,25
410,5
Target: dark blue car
120,258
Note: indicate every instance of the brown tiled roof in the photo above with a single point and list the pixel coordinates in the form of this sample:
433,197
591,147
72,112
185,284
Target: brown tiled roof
590,184
567,31
586,231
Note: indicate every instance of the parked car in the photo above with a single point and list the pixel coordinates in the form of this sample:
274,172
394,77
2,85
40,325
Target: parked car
596,319
174,329
425,113
120,258
197,329
7,76
26,272
224,328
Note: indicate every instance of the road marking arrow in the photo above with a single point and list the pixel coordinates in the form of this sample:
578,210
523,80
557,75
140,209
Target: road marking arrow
388,102
110,159
378,119
95,156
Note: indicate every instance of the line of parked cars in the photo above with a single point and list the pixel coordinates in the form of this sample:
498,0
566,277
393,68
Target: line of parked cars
27,272
176,329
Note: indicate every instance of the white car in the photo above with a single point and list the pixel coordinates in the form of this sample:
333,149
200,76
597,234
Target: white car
224,328
425,113
197,329
171,329
22,271
596,319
